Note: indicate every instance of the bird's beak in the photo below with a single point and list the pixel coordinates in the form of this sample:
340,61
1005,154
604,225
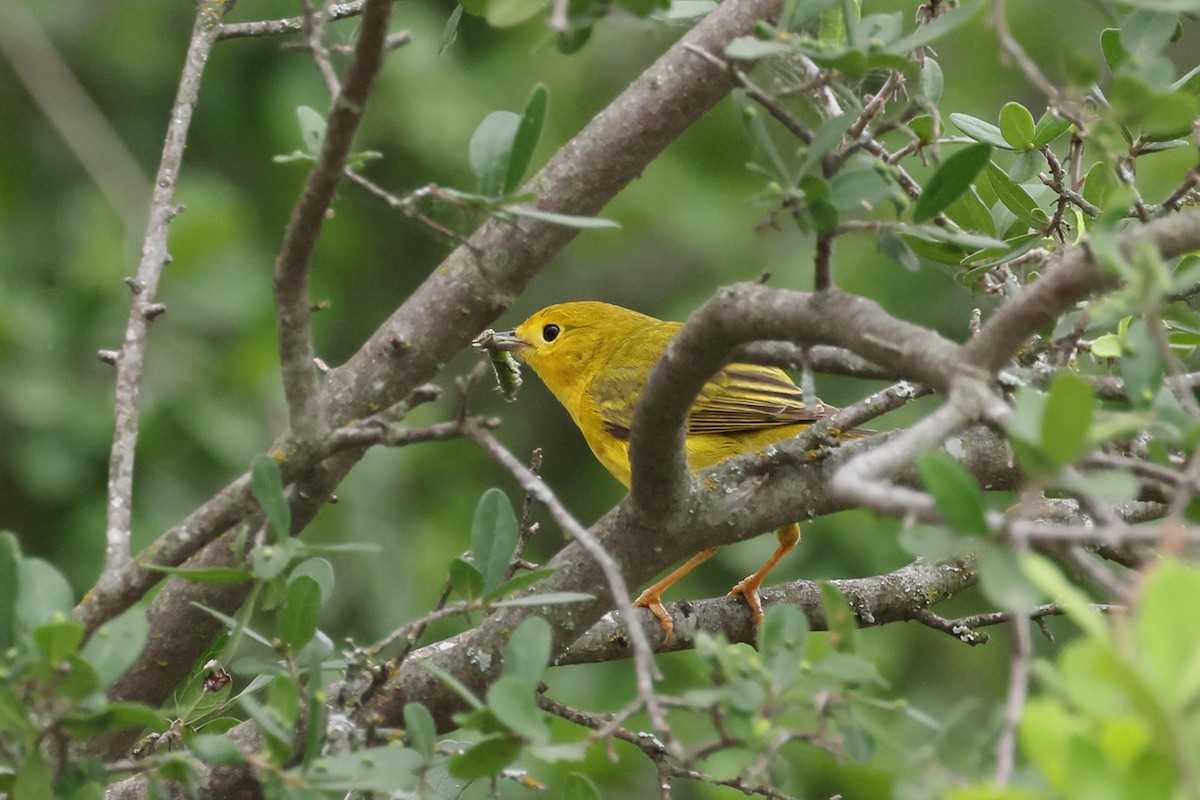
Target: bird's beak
499,340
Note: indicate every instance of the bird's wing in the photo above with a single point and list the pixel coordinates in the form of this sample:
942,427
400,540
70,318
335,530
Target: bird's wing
745,397
740,397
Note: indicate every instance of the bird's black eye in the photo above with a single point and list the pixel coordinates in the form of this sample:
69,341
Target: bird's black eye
550,333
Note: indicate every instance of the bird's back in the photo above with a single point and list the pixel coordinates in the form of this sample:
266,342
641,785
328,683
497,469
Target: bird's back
741,409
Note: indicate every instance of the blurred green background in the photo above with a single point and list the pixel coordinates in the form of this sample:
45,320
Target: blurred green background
212,397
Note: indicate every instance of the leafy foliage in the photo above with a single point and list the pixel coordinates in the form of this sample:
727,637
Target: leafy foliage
866,128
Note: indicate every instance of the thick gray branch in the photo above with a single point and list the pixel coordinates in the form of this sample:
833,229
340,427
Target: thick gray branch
475,284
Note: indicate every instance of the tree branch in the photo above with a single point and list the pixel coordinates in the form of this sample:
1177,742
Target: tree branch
305,413
131,359
895,597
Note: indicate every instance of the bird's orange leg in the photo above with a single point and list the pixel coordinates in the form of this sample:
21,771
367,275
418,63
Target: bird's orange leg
788,535
652,597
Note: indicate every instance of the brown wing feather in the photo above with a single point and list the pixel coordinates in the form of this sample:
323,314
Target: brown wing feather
739,398
744,397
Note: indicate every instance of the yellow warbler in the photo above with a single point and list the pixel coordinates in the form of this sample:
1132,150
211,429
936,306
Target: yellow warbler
595,358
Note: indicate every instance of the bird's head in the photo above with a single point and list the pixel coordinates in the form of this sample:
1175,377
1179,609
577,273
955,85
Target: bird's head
565,343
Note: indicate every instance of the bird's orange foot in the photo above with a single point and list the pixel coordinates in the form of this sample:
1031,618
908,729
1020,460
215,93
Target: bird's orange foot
748,588
653,600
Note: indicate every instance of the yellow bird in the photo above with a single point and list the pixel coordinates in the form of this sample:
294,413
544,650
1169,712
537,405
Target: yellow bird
595,358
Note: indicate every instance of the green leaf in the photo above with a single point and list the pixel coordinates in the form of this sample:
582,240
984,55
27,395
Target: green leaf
320,570
825,138
980,131
465,579
58,639
566,220
267,485
1025,429
116,644
528,652
1107,345
932,81
971,214
545,599
848,669
1190,82
43,593
1016,199
580,787
895,248
312,130
1049,128
15,714
752,118
10,556
493,537
751,48
270,561
799,13
935,29
783,631
507,13
1004,582
1169,117
519,582
213,575
934,542
1170,640
234,625
1099,184
283,700
390,769
839,619
858,189
1110,46
490,149
527,136
1016,126
486,758
34,780
74,677
450,32
1142,365
1046,575
457,686
296,622
113,717
217,751
421,730
511,699
955,492
1026,166
1068,420
1146,32
952,178
1114,485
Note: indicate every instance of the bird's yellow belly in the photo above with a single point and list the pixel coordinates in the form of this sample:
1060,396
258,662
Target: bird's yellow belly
703,450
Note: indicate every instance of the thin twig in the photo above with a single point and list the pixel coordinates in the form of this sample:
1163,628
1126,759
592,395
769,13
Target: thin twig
645,668
528,526
314,28
822,279
407,204
290,25
797,128
292,303
1012,48
1183,191
128,584
132,359
1014,706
